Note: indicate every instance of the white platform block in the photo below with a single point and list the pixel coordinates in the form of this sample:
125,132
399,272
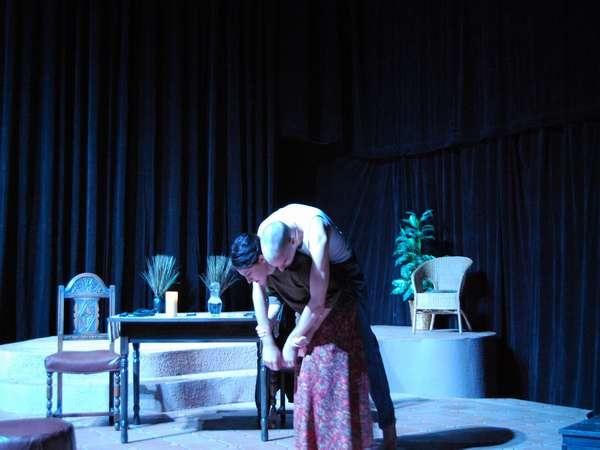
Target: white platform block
438,363
173,377
191,375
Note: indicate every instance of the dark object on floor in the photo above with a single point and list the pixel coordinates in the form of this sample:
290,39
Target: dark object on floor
37,434
582,435
593,413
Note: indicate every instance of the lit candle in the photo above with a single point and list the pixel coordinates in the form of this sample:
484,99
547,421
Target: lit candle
171,303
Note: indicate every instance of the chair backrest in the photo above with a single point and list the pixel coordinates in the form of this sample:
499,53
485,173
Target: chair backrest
86,292
446,273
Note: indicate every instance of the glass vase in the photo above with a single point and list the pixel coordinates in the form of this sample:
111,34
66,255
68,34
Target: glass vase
215,305
158,305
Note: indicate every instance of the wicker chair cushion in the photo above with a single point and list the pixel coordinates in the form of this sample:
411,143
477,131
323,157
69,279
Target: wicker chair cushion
82,362
37,434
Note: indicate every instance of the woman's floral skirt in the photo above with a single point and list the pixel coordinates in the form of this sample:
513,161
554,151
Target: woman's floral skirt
331,404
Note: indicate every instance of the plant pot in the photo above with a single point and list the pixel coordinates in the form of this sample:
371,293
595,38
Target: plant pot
423,319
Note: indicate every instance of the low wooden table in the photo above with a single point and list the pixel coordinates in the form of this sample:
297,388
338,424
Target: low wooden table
185,327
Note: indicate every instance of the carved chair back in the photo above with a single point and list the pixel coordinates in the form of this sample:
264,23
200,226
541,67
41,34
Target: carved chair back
91,302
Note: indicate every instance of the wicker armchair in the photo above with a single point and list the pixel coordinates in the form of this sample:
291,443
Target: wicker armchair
447,275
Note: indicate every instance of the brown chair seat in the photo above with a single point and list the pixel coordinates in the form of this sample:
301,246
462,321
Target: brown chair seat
37,434
93,361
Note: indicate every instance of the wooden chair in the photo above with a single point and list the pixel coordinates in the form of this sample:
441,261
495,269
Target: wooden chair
447,275
282,380
90,299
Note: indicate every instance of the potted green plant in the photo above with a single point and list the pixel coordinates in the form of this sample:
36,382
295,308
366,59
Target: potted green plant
160,274
218,277
409,253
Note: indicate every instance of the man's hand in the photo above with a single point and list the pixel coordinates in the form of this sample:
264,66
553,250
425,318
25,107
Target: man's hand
300,342
262,331
271,357
294,346
289,354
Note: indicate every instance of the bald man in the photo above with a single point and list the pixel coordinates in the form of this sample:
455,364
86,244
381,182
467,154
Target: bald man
308,230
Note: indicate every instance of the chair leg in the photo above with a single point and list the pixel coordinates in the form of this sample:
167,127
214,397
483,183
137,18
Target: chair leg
414,320
432,320
459,322
48,394
59,394
281,399
466,320
117,400
111,410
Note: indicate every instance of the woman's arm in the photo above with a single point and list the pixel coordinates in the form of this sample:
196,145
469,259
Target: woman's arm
270,353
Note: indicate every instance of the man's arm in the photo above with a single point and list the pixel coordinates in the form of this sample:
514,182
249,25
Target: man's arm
314,312
270,353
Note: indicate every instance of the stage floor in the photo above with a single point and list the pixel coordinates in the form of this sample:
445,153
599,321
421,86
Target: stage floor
421,423
433,419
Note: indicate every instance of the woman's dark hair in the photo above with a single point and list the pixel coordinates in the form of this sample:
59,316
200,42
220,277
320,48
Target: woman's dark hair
245,251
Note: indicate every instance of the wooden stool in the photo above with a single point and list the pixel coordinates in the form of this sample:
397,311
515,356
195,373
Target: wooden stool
37,434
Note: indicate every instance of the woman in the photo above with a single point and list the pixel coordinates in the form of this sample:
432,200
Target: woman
331,404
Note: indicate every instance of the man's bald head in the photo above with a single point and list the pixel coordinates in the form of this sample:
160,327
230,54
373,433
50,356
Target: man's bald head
274,239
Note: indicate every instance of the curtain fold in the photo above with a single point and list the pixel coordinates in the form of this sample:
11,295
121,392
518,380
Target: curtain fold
526,209
398,78
129,129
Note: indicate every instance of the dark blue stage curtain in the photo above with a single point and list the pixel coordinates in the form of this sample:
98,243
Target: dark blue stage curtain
391,78
488,113
128,128
526,209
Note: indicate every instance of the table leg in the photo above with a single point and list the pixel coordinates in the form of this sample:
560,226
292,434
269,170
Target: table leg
264,399
124,387
136,383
